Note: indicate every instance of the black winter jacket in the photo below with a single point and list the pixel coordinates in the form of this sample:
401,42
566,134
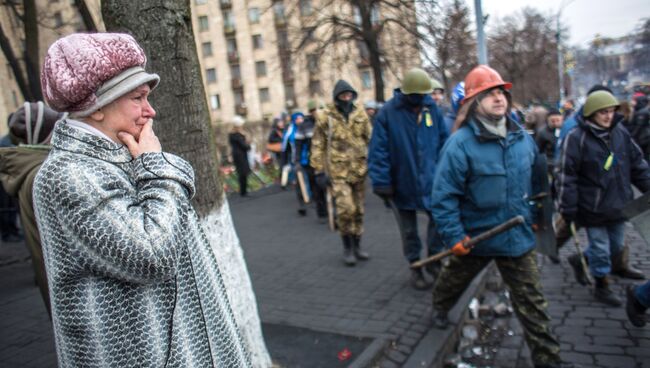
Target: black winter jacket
592,189
239,152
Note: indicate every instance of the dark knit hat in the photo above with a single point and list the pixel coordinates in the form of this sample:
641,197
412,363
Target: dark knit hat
33,123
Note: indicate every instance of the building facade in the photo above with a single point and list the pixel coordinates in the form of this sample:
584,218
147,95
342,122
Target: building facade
247,50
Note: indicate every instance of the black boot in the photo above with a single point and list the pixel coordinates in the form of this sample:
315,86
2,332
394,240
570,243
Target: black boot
621,266
604,294
578,270
635,311
348,257
418,281
356,247
439,319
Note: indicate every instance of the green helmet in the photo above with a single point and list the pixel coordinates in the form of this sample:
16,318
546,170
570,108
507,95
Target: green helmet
312,105
416,81
436,85
597,101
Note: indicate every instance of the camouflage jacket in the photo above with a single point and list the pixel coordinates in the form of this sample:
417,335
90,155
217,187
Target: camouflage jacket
340,148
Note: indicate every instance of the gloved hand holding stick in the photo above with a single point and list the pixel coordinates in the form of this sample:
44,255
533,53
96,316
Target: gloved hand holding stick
470,243
585,269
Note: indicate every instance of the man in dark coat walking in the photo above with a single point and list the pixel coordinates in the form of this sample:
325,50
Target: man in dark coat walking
407,137
240,147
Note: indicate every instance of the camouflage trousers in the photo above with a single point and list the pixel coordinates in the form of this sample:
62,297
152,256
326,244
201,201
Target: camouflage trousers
521,275
349,199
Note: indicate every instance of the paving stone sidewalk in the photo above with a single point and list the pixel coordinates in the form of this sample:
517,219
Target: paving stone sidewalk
590,333
300,281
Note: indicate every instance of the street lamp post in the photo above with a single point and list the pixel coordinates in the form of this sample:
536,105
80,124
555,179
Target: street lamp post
560,53
480,34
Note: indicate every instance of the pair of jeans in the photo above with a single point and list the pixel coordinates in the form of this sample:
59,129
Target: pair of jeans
642,294
412,245
604,241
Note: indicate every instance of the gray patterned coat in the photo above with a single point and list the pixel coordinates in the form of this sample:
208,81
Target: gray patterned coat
133,280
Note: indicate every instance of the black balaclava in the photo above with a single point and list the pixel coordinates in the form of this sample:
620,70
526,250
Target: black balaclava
345,107
415,99
641,102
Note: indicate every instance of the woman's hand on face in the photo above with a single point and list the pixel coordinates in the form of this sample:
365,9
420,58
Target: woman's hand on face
147,142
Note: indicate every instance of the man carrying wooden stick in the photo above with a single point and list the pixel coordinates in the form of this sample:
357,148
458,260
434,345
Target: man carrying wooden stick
484,178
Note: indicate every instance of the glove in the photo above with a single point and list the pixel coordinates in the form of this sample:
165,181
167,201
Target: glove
535,227
459,248
322,180
385,192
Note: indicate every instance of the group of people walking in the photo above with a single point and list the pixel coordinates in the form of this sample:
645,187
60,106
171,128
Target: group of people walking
127,260
479,170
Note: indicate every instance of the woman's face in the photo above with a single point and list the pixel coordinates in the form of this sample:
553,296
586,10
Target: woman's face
128,114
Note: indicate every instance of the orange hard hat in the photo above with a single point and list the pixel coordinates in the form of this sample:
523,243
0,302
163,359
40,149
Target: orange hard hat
482,78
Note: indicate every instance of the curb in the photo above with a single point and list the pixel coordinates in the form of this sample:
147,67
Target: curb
370,354
436,344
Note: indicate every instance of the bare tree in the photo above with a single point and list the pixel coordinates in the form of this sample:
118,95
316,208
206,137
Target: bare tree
26,66
641,48
358,30
86,16
449,43
164,29
523,48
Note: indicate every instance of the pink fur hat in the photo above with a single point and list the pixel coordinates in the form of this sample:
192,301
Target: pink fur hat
84,72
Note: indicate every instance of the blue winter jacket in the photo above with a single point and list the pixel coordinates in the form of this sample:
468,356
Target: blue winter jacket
483,180
591,190
403,153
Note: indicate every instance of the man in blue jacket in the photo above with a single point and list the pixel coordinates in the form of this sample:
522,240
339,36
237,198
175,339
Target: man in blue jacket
599,163
406,140
484,177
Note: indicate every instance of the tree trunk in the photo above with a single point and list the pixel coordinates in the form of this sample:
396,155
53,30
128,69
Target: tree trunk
15,65
32,56
164,30
86,16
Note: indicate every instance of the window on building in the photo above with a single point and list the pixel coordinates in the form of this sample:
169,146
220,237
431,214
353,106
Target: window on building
206,48
374,15
289,94
239,98
231,45
278,11
258,43
305,8
14,97
260,68
283,40
254,15
211,75
312,63
235,72
200,2
265,96
10,71
204,23
314,88
58,19
366,79
215,103
228,19
364,52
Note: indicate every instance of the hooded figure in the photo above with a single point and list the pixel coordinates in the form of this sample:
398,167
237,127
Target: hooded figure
32,125
339,157
133,280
